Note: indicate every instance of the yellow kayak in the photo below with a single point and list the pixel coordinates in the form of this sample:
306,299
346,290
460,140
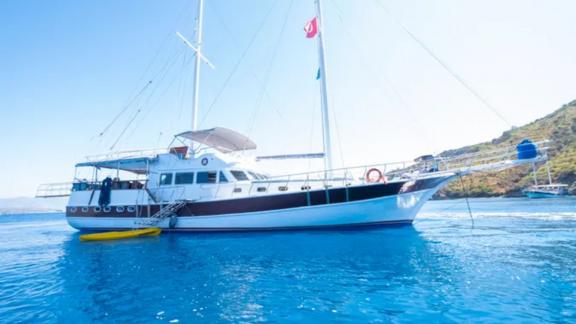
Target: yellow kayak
152,231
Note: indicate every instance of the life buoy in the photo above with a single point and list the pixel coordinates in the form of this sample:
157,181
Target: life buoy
371,179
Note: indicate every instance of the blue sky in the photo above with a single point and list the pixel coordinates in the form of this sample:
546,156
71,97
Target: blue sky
68,67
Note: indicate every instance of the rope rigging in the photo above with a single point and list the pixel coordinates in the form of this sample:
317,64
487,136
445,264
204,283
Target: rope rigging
123,110
152,86
450,71
235,41
467,194
185,11
161,75
160,96
238,63
380,74
252,119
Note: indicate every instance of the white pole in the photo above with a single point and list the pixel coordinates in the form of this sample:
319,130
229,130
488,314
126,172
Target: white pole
197,64
323,91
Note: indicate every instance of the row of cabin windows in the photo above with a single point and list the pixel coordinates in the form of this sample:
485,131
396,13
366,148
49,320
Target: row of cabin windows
182,178
205,177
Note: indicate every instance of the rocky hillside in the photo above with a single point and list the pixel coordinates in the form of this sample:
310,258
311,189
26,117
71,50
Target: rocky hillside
559,127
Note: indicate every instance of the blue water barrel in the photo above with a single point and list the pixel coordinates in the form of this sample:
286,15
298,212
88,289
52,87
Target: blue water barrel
527,150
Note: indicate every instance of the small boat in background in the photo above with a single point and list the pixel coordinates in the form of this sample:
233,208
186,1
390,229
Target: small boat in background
552,190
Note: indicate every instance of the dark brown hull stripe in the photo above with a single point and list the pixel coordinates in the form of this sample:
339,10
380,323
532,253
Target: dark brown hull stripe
270,202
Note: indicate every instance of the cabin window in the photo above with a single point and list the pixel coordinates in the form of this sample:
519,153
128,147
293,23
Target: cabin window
223,178
261,189
257,176
254,175
283,188
240,175
166,179
184,178
206,177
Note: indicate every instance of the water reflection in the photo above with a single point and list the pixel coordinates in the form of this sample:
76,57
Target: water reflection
518,268
245,276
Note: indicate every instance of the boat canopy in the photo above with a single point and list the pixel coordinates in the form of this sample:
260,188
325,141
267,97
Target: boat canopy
138,165
222,139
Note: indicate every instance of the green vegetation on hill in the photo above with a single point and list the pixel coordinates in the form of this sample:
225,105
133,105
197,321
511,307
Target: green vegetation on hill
558,127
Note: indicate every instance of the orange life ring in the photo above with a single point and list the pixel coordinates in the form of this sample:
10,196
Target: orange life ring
370,179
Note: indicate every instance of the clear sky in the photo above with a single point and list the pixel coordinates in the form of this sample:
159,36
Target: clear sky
69,67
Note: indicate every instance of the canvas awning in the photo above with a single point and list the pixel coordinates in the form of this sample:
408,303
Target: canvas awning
222,139
138,165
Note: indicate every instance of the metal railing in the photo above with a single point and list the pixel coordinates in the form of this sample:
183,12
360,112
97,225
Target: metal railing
54,190
168,194
343,177
396,171
127,154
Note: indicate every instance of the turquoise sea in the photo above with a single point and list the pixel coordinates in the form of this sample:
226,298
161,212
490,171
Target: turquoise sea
517,263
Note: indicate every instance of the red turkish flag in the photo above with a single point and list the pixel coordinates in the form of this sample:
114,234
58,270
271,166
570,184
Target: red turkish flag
311,28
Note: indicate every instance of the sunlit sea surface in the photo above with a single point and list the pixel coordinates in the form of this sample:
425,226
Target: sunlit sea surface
517,263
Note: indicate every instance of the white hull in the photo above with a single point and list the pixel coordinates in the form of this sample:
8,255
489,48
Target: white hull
395,209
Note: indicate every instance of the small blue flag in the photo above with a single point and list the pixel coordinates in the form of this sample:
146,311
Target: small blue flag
318,75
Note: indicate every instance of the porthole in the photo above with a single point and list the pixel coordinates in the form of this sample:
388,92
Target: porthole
131,209
305,187
283,188
107,209
84,209
73,209
261,189
237,190
120,209
97,209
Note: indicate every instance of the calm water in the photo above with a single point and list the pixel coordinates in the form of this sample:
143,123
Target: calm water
518,264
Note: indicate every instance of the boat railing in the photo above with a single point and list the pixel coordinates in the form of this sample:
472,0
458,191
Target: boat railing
112,156
341,177
54,190
63,189
168,194
399,171
474,160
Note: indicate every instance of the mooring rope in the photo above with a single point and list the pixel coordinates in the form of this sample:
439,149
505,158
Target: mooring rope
466,198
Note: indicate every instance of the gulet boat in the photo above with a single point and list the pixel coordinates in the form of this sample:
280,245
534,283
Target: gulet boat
552,190
208,184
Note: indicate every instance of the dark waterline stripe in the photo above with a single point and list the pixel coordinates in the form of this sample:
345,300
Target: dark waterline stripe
268,229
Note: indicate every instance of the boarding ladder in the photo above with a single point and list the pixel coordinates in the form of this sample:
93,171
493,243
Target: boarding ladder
163,213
